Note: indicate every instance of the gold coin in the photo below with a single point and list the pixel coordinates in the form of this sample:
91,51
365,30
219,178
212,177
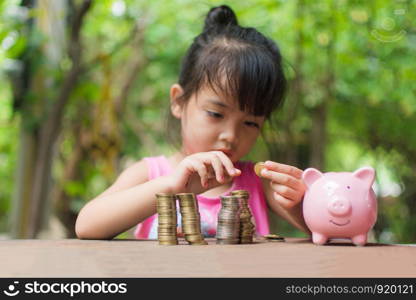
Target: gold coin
274,237
240,193
163,195
194,237
170,243
258,167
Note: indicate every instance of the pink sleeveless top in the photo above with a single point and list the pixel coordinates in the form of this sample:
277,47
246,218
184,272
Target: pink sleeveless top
210,207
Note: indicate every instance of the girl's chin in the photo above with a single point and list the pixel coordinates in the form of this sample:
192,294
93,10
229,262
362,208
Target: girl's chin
233,160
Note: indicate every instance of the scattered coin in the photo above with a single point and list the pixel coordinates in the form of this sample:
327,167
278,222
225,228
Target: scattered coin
274,238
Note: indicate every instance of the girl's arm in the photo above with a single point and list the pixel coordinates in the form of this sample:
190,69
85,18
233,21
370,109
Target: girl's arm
284,190
130,200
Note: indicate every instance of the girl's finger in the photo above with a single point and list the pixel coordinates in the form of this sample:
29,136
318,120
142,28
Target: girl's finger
218,168
228,164
285,191
202,171
286,203
282,168
282,178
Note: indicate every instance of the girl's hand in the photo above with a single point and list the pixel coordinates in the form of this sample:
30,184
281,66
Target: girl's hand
286,183
202,171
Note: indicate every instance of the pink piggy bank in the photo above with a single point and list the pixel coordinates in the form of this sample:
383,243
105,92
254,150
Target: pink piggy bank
340,204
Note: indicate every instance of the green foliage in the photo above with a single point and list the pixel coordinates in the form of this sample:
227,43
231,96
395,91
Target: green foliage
8,149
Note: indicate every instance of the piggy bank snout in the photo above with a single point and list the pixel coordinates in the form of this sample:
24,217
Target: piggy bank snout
339,206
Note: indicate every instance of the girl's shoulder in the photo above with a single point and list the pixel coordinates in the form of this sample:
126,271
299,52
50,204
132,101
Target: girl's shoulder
137,170
135,174
146,169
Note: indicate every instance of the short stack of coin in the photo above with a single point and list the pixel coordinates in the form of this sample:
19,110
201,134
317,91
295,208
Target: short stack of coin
247,228
228,226
191,220
167,220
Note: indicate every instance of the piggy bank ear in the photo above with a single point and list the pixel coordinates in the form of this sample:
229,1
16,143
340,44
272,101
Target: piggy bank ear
366,174
311,175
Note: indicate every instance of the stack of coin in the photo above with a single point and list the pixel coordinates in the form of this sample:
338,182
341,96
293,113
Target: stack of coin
167,222
247,228
191,220
228,226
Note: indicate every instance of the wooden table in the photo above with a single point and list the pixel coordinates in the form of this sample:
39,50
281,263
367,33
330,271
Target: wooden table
145,258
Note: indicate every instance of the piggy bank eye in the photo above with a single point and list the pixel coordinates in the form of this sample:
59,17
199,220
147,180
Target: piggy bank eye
348,187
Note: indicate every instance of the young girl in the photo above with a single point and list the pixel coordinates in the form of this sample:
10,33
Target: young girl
230,82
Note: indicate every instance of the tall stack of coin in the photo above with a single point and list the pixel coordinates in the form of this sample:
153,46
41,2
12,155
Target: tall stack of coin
247,228
167,222
191,220
228,226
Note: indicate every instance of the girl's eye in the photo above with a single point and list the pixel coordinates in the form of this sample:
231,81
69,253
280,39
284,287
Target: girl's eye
252,124
214,114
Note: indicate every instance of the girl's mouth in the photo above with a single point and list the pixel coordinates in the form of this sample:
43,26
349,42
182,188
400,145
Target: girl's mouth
226,152
340,224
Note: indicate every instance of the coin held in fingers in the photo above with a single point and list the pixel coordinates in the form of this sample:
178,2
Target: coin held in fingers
258,167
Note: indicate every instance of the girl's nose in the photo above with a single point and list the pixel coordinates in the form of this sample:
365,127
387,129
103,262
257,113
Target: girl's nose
229,135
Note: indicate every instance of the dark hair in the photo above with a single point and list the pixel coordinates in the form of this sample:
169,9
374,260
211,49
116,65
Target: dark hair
250,63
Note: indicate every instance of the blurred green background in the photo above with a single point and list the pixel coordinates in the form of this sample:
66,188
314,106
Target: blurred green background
84,89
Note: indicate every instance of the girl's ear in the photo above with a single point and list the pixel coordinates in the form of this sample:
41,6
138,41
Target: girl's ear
175,106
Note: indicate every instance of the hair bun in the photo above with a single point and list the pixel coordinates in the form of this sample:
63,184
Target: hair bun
220,16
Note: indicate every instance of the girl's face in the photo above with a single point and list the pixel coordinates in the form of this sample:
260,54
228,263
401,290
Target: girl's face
212,123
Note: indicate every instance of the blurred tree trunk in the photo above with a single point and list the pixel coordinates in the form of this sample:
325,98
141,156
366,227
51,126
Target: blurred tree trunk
101,142
409,197
319,137
290,147
285,149
42,117
20,208
72,172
